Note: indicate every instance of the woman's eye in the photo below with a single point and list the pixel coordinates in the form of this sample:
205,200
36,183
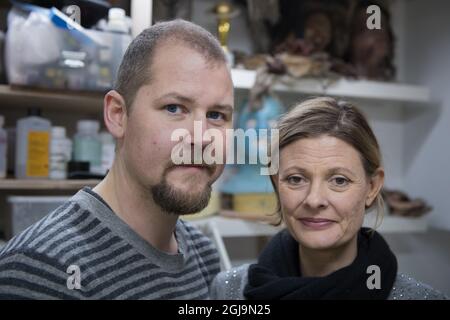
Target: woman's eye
294,180
173,108
215,115
340,181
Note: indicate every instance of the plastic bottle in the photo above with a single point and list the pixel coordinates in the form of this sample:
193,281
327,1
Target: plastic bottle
87,145
32,146
60,150
117,21
3,148
108,151
120,39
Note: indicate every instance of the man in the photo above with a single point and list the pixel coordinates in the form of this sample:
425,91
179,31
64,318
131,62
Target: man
123,239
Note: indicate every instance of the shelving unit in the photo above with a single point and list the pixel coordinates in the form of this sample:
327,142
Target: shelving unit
18,97
235,227
44,184
361,89
396,224
243,80
61,101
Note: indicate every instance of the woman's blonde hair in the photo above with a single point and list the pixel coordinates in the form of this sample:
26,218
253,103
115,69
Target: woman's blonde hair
335,118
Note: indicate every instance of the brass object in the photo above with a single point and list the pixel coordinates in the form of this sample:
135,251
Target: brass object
224,12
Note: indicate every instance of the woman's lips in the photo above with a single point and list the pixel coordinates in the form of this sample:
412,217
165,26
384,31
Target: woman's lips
316,223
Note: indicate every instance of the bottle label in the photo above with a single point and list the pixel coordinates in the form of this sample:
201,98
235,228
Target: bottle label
38,154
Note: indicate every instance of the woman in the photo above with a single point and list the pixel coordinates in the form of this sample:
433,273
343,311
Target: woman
330,174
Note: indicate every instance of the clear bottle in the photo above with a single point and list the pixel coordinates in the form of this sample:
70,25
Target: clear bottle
32,146
87,145
3,148
108,150
118,40
60,150
117,21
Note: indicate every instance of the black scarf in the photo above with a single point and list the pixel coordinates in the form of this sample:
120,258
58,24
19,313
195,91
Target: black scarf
276,275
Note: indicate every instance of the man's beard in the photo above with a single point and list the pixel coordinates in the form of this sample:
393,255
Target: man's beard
178,202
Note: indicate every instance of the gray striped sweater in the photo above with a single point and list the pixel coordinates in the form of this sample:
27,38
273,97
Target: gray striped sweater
82,250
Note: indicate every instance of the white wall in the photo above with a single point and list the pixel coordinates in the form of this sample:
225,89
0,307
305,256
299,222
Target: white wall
427,130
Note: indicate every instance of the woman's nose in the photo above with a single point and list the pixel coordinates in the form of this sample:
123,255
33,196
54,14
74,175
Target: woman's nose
316,197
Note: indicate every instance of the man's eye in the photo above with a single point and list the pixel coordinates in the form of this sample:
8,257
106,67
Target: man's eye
215,115
340,181
295,180
173,108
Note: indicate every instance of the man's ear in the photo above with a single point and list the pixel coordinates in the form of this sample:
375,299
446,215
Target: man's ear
376,183
115,114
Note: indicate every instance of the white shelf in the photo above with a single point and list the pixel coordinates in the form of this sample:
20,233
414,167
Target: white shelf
45,184
396,224
234,227
62,100
363,89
